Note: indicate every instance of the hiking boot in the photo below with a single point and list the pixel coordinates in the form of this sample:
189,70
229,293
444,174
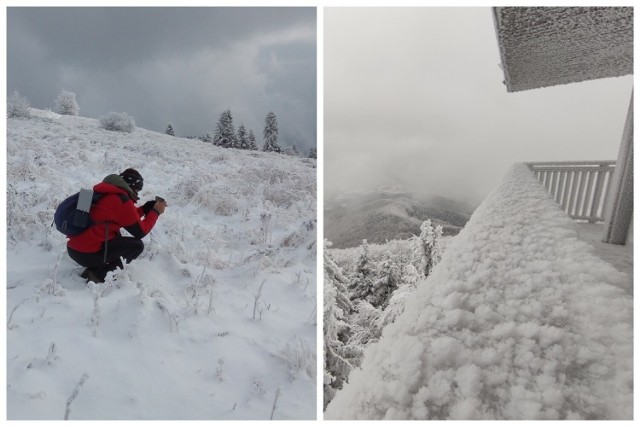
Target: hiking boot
91,276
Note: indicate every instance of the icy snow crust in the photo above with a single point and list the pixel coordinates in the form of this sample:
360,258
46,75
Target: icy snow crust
174,335
518,321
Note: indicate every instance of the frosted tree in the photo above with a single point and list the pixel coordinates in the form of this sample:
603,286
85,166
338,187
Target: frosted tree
252,141
225,134
292,151
243,139
271,134
362,283
428,250
338,356
407,287
385,283
170,130
120,122
312,153
364,326
66,103
18,106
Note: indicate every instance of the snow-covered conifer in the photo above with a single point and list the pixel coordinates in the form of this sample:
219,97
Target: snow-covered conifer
271,134
364,326
170,130
362,283
18,106
252,141
407,287
66,103
242,140
337,307
312,153
384,284
225,134
428,249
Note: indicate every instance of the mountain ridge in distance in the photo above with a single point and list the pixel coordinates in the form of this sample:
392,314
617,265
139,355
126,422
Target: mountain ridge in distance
388,213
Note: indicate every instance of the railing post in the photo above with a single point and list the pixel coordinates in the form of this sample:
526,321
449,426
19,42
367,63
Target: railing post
583,180
597,193
619,213
574,186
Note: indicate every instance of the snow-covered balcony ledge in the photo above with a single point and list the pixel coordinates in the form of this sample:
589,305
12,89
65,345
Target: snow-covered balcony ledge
520,320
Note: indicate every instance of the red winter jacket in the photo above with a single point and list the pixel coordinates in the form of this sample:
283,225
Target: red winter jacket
114,210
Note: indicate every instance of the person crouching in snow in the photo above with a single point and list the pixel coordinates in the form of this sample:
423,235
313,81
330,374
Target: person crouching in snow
100,247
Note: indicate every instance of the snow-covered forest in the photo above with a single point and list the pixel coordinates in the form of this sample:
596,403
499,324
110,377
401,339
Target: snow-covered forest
519,320
225,135
365,289
216,319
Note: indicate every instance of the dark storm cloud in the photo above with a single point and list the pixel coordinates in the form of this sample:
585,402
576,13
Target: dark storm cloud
415,98
178,65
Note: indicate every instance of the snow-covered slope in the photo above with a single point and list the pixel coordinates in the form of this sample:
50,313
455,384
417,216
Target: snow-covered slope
520,320
215,320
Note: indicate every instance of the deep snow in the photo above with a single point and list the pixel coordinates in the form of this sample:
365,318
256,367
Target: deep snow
217,318
520,320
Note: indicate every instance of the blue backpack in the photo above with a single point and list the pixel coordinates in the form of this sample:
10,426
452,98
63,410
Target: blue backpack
70,220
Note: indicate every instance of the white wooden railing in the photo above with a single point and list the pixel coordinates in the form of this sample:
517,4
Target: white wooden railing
581,188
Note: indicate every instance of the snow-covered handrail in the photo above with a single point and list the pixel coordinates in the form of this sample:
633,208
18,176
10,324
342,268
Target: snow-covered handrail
581,188
519,320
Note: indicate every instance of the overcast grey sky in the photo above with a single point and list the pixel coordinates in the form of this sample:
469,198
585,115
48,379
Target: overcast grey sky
414,97
183,66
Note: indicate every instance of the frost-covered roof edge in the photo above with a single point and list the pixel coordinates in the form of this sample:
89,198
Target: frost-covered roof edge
547,46
497,22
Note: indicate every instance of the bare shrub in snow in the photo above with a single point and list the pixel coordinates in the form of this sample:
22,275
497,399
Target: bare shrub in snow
29,298
47,361
279,196
256,301
265,227
74,394
300,358
220,370
174,318
275,403
225,205
200,292
120,122
66,103
18,106
300,236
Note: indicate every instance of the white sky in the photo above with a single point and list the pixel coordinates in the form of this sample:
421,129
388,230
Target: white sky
414,97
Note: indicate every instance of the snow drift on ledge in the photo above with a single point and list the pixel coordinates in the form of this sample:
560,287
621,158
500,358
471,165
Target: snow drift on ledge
518,321
215,320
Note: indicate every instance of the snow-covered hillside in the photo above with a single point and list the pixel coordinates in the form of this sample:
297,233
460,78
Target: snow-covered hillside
215,320
519,320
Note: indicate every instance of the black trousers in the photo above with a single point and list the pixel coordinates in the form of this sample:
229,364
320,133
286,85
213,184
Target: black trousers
128,248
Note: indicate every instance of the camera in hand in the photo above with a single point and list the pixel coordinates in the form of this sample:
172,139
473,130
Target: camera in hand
159,199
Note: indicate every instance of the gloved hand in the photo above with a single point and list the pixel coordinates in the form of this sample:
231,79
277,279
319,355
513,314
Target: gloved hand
146,208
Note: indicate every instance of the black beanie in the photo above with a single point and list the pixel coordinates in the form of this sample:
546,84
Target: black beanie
133,178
